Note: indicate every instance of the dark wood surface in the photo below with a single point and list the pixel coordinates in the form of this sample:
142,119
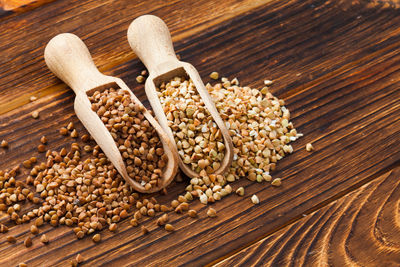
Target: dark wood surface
359,229
336,64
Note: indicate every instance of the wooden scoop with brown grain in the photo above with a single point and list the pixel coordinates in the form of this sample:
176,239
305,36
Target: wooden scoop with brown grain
151,41
69,59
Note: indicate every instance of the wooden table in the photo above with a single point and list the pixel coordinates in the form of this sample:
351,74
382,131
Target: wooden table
335,63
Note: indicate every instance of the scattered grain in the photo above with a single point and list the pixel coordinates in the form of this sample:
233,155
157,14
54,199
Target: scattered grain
79,258
144,230
33,98
255,199
70,126
85,138
43,139
113,227
34,229
74,133
192,213
35,114
240,191
268,82
28,242
276,182
4,144
11,239
211,212
41,148
214,75
96,238
309,147
140,79
44,239
169,227
63,131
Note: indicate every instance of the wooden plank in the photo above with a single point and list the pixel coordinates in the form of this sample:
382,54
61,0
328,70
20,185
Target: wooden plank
359,229
20,5
349,108
105,24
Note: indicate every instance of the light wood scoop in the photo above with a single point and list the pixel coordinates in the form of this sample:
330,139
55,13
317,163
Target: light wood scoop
151,41
69,59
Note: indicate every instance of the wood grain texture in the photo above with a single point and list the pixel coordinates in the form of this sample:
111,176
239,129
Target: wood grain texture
21,5
104,31
337,68
359,229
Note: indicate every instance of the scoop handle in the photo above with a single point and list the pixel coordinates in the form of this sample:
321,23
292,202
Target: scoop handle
69,59
151,41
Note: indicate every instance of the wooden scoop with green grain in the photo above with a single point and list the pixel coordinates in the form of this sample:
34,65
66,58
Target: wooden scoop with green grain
69,59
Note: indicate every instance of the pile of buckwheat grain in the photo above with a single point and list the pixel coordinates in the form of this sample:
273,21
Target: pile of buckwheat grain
259,126
88,194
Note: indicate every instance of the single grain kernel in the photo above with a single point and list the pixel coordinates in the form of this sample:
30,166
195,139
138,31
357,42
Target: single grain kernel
39,221
33,98
309,147
276,182
44,239
96,238
35,114
11,239
113,227
85,138
70,126
204,199
255,199
211,213
79,258
3,228
22,264
4,144
80,234
240,191
27,163
34,229
74,133
192,213
169,227
43,140
174,203
214,75
144,230
268,82
63,131
140,79
28,242
134,222
41,148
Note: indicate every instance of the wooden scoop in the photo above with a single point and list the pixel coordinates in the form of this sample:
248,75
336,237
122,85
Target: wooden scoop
151,41
69,59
